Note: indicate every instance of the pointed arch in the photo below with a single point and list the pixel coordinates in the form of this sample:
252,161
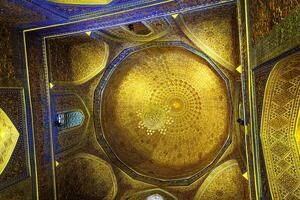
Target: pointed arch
278,126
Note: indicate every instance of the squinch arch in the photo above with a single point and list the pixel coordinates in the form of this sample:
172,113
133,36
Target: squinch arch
278,128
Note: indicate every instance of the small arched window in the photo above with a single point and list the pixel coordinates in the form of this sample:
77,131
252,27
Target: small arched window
155,197
69,119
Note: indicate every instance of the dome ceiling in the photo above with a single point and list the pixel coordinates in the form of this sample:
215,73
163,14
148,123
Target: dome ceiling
165,113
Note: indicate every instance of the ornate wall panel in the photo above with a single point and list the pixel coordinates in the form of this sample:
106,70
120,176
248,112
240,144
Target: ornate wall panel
7,68
261,75
86,177
38,83
149,126
283,37
19,191
265,15
215,32
279,116
12,103
63,102
15,15
224,182
75,59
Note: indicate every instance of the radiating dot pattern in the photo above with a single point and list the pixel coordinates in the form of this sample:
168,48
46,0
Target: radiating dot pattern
165,112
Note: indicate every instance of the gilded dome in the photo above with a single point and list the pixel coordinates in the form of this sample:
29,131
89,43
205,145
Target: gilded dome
165,112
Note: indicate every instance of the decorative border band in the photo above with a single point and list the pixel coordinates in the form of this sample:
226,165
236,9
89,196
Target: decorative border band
20,156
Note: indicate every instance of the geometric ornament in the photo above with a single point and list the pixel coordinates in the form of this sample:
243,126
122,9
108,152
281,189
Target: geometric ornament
8,139
279,129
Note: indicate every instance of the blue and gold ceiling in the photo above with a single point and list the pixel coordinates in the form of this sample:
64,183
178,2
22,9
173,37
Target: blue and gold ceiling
82,9
129,98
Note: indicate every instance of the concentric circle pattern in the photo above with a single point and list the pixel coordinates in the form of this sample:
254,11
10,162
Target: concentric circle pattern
165,112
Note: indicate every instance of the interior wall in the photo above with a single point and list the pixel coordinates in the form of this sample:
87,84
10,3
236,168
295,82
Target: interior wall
15,180
274,28
273,35
278,128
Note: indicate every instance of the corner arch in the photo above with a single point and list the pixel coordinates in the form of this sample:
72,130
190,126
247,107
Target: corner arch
278,128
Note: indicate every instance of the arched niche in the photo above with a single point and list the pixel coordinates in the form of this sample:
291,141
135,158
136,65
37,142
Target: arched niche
224,182
278,128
